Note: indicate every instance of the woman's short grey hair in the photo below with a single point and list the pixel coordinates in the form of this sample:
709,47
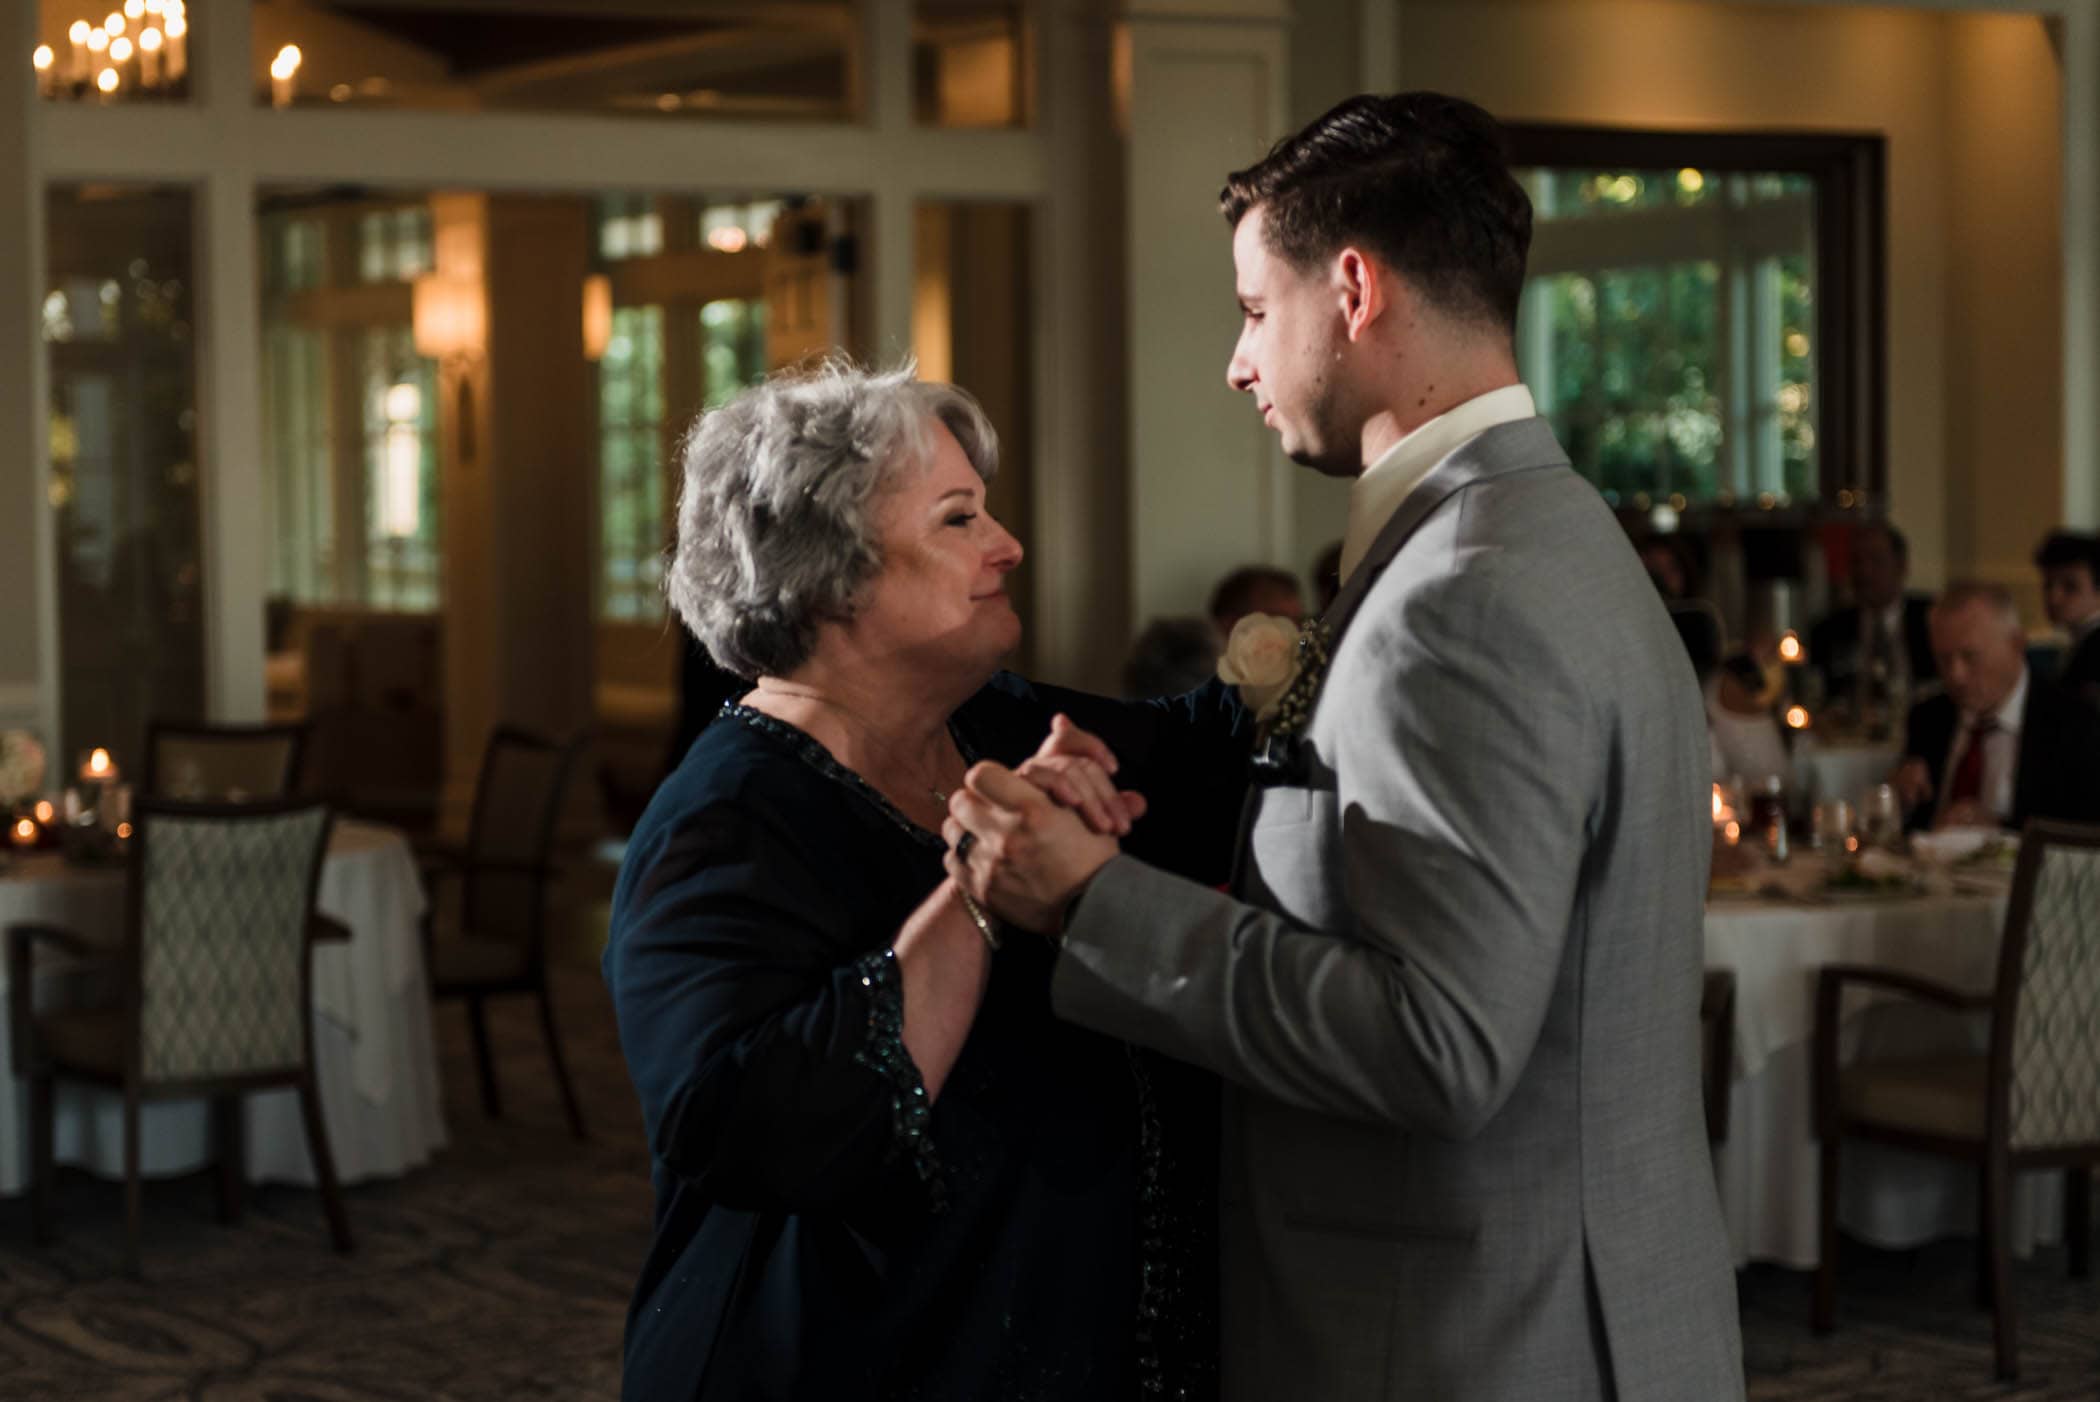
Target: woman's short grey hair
776,514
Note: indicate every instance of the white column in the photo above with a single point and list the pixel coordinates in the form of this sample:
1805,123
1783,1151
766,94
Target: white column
2081,234
28,571
1209,490
235,526
886,54
1081,559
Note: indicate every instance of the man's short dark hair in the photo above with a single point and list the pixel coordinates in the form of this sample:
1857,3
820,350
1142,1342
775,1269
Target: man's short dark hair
1896,539
2062,550
1420,179
1239,591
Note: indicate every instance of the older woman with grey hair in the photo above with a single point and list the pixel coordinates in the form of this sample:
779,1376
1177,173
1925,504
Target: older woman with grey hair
882,1167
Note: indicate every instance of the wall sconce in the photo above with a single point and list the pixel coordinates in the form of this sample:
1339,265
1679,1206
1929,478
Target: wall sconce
450,317
597,316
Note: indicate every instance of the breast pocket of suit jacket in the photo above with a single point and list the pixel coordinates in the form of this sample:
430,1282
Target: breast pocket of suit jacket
1285,864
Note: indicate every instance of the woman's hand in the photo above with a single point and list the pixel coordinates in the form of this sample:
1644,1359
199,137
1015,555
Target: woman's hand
1073,768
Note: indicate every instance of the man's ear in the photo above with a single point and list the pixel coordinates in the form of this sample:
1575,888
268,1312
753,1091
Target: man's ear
1363,291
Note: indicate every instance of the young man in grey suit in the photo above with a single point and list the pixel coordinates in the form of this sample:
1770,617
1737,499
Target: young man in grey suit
1455,986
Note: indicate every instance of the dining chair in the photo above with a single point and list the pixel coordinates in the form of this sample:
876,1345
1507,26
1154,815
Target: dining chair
2030,1102
1717,1049
214,991
258,763
497,942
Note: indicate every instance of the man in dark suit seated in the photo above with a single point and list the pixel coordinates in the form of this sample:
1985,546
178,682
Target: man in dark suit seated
2070,566
1999,745
1882,618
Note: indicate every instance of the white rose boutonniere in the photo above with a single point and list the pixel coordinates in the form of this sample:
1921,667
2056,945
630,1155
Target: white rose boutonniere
1261,659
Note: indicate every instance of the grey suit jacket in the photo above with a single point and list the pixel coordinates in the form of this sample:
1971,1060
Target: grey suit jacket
1456,989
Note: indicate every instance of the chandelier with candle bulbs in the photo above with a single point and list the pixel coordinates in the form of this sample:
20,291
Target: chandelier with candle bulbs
139,50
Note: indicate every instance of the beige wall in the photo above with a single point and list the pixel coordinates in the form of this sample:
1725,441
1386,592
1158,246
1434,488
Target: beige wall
2004,398
1960,99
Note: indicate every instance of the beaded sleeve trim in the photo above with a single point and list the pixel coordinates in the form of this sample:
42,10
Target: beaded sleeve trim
884,1054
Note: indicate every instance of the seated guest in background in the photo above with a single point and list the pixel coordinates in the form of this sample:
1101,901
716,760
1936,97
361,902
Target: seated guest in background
1743,733
1255,589
1882,618
2070,566
1664,558
1170,656
1327,575
1999,745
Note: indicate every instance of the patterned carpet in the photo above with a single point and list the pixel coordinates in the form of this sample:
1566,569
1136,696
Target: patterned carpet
502,1270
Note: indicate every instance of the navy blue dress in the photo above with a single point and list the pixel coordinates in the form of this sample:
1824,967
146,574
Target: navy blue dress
1045,1231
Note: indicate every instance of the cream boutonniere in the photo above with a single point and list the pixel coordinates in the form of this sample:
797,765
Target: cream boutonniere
1277,667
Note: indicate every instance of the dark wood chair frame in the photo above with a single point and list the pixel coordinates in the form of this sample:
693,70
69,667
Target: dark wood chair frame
1717,1021
225,1093
442,863
1992,1154
295,735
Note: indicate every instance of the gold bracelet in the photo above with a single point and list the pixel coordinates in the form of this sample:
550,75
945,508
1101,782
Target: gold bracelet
978,918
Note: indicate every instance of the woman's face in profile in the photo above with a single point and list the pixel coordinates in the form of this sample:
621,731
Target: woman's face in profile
940,600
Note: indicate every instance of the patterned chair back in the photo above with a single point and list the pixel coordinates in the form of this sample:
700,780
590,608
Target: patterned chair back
2051,959
517,808
225,902
249,764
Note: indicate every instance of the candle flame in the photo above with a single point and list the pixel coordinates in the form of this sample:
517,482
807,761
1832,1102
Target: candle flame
124,831
1719,806
1790,649
150,41
1733,832
1797,717
25,830
43,58
79,32
287,61
107,80
98,762
1851,844
45,813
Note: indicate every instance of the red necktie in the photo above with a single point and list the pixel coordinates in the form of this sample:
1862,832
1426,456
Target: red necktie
1968,775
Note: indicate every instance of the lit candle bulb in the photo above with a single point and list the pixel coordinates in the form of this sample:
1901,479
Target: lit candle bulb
134,9
113,24
45,813
99,765
1797,717
1790,650
24,832
77,53
149,58
97,43
106,81
284,71
120,52
178,30
153,7
43,59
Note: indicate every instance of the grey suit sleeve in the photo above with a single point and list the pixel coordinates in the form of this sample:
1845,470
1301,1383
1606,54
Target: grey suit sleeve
1466,788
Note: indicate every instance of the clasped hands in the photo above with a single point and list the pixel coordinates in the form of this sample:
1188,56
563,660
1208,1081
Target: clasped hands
1023,842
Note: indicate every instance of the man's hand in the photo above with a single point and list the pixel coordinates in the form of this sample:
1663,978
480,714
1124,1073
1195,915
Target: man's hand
1913,783
1074,768
1027,856
1969,813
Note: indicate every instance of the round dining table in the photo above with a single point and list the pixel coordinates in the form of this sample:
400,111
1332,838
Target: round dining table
376,1057
1768,1165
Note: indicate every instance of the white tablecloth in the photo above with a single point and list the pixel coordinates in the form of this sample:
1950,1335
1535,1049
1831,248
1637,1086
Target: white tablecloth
1847,769
1768,1165
373,1045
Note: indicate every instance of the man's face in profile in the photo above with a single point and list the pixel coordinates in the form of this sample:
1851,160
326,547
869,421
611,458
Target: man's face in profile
1289,352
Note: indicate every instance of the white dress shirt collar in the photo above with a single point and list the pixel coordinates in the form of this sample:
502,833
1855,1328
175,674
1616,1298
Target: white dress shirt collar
2010,711
1401,468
